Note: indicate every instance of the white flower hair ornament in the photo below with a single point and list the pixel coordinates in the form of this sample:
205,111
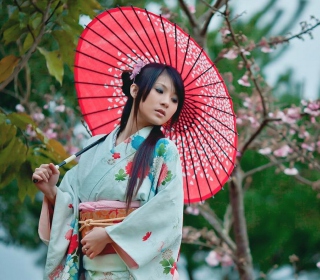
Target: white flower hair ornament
136,69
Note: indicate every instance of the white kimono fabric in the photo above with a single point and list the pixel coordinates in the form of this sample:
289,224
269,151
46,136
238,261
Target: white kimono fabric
151,235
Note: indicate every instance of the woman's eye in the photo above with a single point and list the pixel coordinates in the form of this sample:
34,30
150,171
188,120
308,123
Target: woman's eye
175,100
159,90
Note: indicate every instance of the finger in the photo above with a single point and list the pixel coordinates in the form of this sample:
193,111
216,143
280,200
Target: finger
44,170
53,169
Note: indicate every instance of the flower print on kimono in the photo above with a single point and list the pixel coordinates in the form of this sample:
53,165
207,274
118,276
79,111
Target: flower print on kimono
70,270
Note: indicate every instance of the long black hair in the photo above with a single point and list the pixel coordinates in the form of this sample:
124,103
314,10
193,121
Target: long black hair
144,155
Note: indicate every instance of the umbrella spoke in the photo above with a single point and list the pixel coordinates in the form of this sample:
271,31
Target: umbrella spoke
208,132
97,59
94,71
113,45
193,165
156,35
212,115
95,84
165,36
203,86
186,76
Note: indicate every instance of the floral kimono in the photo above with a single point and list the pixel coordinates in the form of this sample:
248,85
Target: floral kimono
150,236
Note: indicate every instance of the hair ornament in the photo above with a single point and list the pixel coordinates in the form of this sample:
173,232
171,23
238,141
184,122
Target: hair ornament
136,69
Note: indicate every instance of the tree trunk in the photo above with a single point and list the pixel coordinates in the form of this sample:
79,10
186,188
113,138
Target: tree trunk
243,253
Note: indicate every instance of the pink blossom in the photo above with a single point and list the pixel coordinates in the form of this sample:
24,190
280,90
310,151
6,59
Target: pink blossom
175,275
318,264
291,171
192,9
224,31
265,47
318,144
291,116
245,52
46,106
244,81
310,147
72,150
226,260
38,117
231,54
30,131
213,259
50,133
283,151
20,108
68,234
192,210
60,108
265,151
247,102
304,135
136,69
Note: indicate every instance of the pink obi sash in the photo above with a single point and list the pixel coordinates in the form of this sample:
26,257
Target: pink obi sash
103,213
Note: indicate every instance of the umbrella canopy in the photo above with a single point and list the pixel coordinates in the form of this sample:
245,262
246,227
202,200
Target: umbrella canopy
205,135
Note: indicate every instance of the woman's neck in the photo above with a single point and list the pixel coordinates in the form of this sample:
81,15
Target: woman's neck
131,127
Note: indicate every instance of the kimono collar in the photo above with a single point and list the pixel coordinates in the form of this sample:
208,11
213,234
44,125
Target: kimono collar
135,139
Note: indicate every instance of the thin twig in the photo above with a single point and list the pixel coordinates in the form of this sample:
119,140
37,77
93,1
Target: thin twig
27,56
210,216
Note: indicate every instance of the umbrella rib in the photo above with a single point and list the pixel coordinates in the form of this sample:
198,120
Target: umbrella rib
185,165
133,41
146,33
165,36
215,108
95,71
154,49
214,117
176,41
204,85
212,96
221,150
103,49
215,130
109,41
202,72
97,59
156,37
196,177
101,96
209,160
185,55
193,65
95,84
106,123
102,110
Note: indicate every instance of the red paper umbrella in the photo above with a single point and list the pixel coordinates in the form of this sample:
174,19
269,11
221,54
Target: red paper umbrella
205,135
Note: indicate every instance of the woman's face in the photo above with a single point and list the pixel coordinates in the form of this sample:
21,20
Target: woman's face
160,104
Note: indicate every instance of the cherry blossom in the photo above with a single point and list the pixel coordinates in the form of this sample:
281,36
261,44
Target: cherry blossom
265,151
231,54
213,259
20,108
291,171
244,81
283,151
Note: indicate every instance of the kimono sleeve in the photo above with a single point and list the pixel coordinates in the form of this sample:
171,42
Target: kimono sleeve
156,227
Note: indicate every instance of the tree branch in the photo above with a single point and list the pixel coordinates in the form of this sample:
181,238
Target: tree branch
191,17
212,219
27,56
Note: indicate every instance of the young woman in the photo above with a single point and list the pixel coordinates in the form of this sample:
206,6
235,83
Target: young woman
134,170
